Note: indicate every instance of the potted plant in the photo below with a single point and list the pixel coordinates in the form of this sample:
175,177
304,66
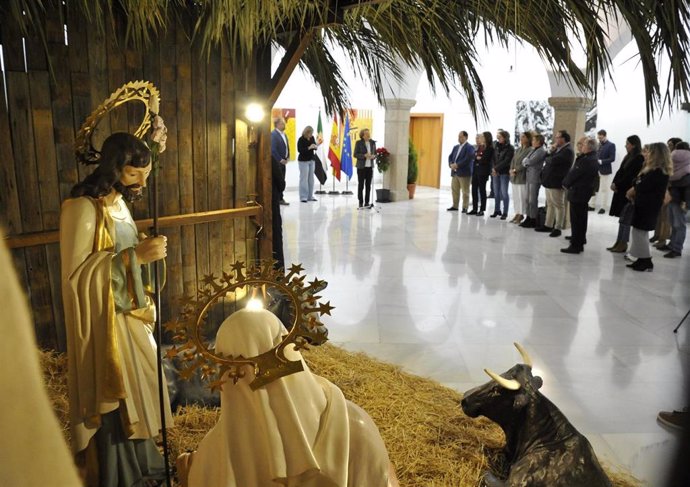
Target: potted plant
383,162
412,170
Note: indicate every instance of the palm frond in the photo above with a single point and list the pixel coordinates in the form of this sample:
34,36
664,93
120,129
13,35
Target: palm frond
438,36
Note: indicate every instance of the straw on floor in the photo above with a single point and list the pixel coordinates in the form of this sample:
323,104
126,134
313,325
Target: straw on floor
429,440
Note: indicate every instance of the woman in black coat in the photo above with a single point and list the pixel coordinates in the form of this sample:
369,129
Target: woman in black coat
622,182
647,196
483,162
500,172
306,147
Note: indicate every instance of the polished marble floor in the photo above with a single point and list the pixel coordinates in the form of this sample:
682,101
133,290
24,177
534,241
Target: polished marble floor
445,294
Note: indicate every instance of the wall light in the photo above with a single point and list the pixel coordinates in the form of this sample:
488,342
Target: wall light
254,113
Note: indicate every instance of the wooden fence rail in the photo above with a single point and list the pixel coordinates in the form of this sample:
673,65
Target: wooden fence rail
43,238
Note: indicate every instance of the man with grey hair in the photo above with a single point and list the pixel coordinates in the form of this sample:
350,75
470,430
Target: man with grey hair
579,183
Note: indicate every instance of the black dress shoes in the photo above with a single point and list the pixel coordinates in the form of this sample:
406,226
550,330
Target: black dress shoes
494,215
480,213
543,229
570,237
572,250
452,208
601,211
473,212
528,223
555,233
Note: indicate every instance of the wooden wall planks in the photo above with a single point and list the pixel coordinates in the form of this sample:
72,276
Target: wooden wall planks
47,104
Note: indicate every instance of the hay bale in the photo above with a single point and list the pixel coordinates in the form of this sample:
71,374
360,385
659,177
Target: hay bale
429,440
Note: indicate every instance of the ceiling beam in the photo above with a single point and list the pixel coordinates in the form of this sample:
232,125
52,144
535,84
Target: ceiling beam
292,56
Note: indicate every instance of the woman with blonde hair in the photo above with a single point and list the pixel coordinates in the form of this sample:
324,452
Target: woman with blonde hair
306,147
647,196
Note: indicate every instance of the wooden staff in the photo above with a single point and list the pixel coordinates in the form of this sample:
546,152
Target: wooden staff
159,329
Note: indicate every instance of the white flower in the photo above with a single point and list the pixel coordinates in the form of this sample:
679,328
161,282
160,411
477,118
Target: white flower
154,103
160,133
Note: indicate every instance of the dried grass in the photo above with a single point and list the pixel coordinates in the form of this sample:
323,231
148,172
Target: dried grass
429,440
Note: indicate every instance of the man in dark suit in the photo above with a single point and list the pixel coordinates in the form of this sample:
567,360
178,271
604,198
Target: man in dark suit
460,161
579,182
606,156
280,152
557,165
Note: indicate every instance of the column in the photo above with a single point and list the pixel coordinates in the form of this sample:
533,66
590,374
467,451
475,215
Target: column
570,115
396,137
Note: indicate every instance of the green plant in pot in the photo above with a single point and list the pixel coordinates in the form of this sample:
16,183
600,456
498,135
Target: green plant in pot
383,162
412,170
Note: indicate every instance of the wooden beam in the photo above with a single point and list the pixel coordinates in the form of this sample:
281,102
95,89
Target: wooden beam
288,64
43,238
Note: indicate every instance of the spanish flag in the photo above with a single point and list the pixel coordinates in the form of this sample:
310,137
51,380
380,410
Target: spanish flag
334,149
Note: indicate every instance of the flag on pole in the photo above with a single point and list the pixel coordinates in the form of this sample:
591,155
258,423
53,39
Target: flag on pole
346,157
319,139
334,149
320,166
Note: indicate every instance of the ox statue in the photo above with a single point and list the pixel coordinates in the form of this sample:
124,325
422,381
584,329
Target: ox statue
542,448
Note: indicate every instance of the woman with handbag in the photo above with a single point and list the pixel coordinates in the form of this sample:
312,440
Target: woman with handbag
648,196
622,182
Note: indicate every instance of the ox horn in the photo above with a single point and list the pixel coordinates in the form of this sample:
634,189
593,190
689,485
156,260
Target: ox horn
526,359
510,384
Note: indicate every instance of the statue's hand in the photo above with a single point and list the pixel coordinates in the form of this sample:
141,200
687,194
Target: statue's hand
152,249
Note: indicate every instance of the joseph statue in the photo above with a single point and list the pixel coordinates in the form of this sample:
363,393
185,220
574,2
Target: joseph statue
109,317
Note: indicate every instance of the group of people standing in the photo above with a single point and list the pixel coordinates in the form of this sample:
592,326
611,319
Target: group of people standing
651,186
651,192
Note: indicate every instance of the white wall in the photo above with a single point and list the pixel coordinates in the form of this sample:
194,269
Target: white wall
508,75
621,105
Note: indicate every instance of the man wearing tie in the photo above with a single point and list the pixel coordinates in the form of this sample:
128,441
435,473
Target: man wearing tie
280,151
460,161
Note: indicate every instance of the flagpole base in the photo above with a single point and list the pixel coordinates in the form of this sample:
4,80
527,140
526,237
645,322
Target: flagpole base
346,192
334,192
320,192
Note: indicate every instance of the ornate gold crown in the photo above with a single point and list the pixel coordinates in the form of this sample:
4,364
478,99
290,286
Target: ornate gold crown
270,365
142,91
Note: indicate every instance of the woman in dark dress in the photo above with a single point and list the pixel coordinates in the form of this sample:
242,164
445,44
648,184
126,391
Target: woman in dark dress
482,169
647,196
622,182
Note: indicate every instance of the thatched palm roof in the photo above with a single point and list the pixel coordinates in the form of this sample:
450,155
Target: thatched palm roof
439,36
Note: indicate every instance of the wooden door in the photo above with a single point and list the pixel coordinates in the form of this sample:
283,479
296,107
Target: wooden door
426,132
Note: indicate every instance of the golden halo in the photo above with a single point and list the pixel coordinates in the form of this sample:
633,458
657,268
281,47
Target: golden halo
270,365
142,91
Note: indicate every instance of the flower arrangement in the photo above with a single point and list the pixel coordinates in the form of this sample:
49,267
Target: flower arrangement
157,139
383,159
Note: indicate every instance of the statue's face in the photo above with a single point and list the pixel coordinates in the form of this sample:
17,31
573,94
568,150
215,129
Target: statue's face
134,181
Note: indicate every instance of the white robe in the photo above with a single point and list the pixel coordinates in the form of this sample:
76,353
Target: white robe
132,372
296,431
34,451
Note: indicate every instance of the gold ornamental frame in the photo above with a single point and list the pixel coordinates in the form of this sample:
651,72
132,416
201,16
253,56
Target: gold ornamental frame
142,91
268,366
